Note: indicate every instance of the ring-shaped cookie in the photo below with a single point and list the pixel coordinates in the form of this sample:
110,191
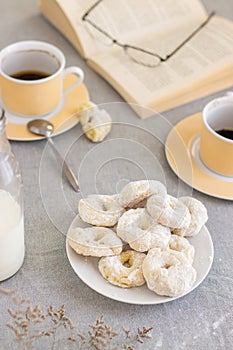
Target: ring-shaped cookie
158,236
198,215
137,191
182,245
100,210
123,270
168,272
134,224
95,241
169,211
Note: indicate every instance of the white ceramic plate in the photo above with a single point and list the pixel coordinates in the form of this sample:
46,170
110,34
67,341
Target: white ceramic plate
87,270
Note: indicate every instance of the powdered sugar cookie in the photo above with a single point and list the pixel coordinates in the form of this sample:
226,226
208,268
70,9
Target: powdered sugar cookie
198,214
83,118
96,123
95,241
134,224
137,191
100,210
169,211
124,270
182,245
168,272
157,236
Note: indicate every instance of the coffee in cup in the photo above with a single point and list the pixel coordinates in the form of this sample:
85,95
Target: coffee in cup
30,75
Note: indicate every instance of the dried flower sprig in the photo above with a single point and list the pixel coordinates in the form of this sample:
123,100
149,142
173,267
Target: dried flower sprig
101,335
24,321
127,332
29,324
8,292
144,334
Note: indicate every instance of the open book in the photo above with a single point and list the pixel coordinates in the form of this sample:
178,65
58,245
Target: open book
201,66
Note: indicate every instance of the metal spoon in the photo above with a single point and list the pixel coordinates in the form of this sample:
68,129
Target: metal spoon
45,128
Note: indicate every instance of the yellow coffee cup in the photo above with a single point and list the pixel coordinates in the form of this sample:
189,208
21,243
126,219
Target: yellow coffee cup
31,77
216,144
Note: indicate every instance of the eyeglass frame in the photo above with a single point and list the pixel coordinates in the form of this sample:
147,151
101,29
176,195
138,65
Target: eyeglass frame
128,46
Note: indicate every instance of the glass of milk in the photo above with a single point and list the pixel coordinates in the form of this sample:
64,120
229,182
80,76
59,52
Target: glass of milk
11,209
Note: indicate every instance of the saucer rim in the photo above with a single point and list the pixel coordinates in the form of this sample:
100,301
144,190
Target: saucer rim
193,124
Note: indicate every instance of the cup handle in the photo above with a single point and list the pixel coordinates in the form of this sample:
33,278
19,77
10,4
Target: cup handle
73,70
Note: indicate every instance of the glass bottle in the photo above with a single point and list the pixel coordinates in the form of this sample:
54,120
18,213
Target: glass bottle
11,209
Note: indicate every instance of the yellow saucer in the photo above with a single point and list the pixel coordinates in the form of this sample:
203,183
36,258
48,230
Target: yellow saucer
182,152
63,118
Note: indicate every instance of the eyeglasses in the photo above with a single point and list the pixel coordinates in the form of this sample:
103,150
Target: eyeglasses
139,54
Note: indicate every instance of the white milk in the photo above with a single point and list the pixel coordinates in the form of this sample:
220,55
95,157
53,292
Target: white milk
11,235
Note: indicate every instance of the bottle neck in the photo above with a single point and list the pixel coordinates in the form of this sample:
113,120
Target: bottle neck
4,143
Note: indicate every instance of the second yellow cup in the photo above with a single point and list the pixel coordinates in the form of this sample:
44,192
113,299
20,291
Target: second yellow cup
216,142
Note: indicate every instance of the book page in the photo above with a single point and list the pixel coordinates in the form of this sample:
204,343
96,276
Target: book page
220,81
126,20
208,52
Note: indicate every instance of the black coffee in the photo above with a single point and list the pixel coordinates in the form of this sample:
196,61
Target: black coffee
228,134
30,75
